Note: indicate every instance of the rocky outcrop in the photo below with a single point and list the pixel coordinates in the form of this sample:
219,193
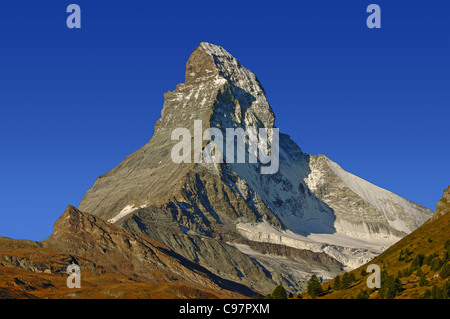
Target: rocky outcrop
212,253
132,254
443,205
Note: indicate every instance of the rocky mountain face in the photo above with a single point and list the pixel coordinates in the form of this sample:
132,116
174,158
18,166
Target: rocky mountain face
133,254
213,213
443,206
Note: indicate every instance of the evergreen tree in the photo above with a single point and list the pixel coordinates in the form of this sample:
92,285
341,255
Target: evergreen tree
337,283
329,289
352,278
419,272
346,281
447,245
406,272
362,295
436,293
279,293
436,264
390,287
406,254
446,257
445,272
417,262
423,280
446,290
429,259
401,256
314,287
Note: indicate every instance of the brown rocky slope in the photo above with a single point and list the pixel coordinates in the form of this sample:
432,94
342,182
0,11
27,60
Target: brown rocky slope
115,263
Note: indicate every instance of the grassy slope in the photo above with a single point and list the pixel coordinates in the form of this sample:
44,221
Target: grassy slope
19,280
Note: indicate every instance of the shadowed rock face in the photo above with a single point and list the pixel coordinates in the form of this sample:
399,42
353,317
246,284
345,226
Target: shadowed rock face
197,208
132,254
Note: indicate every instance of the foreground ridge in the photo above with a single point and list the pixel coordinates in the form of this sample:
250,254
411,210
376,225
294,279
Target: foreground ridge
416,267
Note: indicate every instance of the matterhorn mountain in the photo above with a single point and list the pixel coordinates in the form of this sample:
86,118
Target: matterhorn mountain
256,223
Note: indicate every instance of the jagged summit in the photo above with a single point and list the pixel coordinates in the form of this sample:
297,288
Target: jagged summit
209,60
218,89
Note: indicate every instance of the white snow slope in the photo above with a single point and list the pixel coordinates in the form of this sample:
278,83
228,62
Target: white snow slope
326,209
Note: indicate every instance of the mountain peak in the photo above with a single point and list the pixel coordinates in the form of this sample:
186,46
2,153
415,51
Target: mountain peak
218,90
214,49
201,65
209,61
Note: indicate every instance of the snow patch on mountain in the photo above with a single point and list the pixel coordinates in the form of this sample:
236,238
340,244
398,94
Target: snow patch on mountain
349,251
124,212
293,270
380,198
127,210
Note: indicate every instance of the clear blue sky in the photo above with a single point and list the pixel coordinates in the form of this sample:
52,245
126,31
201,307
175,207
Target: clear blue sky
74,103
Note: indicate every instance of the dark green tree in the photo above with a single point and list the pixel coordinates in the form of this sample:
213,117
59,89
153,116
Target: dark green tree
406,272
314,287
352,277
406,254
423,280
436,292
346,281
417,262
328,289
447,245
362,295
436,264
401,256
279,293
445,271
390,287
337,283
419,272
446,257
429,259
446,290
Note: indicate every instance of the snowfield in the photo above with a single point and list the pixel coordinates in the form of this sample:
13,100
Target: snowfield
349,251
